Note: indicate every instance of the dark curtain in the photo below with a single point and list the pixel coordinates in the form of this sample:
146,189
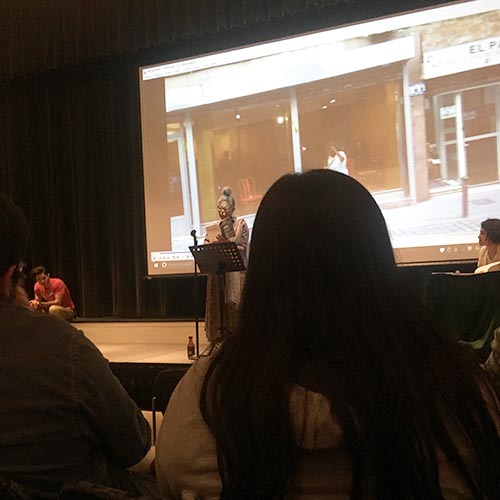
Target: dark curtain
40,34
73,162
70,147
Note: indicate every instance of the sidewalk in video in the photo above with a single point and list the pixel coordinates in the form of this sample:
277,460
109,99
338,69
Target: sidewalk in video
440,220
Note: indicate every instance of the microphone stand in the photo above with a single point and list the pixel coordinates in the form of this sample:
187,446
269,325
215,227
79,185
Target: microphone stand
195,294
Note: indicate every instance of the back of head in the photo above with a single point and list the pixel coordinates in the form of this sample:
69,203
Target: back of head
319,245
321,266
14,233
492,229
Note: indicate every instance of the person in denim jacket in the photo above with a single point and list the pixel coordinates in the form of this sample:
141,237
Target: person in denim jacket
64,416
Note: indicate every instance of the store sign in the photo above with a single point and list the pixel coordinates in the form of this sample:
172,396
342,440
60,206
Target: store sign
416,89
464,57
447,112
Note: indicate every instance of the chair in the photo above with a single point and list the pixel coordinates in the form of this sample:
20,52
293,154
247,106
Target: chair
469,304
164,384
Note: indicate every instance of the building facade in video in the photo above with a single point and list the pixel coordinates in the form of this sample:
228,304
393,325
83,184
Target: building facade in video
412,103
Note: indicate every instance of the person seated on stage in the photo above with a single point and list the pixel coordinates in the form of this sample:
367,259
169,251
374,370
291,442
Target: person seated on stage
230,229
489,241
51,295
64,416
337,383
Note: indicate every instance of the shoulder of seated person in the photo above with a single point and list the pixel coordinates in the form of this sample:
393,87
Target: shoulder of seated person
487,268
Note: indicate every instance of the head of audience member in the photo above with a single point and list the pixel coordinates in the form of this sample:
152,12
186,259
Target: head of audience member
18,294
489,234
14,234
324,307
226,203
320,243
40,275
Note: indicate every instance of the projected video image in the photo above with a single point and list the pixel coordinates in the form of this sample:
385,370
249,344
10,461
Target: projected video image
408,105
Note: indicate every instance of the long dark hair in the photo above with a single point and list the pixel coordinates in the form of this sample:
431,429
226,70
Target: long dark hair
324,307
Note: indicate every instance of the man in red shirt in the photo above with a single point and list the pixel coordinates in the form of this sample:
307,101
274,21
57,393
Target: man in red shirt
51,295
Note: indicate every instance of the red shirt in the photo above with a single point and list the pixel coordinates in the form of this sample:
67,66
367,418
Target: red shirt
56,286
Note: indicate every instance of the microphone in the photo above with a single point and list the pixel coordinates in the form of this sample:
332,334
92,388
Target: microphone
193,234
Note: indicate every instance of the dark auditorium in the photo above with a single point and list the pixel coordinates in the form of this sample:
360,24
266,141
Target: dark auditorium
250,249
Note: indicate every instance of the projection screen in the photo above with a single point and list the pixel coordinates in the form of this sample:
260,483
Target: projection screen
413,100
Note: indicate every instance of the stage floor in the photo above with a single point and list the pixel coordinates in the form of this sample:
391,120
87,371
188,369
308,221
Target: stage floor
143,342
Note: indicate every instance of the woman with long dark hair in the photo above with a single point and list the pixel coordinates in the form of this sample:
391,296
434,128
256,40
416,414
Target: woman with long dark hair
337,384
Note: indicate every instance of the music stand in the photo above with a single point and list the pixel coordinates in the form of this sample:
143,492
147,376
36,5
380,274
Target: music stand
219,259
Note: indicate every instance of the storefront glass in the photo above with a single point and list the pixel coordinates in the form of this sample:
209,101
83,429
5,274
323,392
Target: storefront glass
466,136
361,119
243,143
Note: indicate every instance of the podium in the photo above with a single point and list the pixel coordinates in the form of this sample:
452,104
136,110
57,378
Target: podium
219,259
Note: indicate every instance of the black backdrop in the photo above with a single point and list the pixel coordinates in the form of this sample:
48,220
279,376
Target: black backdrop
70,146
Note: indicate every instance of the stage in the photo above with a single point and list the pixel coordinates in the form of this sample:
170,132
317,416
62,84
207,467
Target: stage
139,351
142,342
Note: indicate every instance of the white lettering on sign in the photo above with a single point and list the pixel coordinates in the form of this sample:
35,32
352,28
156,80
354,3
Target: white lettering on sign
416,89
447,112
464,57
